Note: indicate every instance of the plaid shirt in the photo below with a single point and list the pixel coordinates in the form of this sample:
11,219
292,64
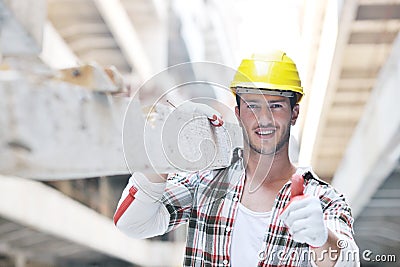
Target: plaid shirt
209,201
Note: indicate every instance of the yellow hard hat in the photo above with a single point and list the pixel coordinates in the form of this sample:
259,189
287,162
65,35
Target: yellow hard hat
273,72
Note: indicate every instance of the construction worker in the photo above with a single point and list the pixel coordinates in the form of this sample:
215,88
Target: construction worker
242,215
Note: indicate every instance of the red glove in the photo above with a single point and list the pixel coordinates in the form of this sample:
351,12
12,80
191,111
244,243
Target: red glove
297,190
297,187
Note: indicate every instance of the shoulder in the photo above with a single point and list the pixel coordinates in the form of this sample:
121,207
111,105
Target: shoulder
191,178
235,169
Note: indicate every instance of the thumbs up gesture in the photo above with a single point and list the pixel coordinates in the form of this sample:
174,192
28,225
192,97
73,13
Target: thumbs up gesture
304,217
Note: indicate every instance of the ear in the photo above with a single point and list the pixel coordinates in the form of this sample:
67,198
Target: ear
295,114
237,113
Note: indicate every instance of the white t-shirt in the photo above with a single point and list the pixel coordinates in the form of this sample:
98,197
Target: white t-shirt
247,236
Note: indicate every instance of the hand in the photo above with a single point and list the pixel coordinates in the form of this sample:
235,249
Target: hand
191,107
304,218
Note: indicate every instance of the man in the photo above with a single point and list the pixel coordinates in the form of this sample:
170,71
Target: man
241,215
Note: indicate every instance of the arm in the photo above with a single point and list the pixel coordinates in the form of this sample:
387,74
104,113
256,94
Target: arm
325,223
344,251
149,205
140,214
148,209
339,221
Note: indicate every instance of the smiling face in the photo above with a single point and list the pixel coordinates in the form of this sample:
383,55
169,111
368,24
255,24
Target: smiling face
266,121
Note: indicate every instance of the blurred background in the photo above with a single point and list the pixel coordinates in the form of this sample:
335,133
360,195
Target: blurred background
69,67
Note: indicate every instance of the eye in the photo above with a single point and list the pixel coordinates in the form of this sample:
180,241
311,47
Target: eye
276,105
252,106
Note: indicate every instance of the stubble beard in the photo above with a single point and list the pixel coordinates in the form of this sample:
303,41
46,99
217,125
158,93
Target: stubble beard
285,139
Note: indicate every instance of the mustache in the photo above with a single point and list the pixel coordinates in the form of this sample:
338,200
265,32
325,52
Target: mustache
269,125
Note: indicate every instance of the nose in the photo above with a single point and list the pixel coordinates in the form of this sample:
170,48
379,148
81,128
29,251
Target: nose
264,116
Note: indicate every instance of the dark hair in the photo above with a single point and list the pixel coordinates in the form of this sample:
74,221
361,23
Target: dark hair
293,100
237,100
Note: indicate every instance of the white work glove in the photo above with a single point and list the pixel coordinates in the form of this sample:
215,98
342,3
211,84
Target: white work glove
196,108
304,218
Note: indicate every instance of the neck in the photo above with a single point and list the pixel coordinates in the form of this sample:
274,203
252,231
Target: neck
268,168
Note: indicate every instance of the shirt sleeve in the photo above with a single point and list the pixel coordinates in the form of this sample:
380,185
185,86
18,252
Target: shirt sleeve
149,209
178,198
349,254
337,213
140,213
338,218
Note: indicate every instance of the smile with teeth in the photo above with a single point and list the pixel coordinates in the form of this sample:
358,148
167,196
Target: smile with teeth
265,132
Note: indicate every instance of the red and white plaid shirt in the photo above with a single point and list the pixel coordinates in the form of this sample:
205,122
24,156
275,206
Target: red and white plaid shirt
208,201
